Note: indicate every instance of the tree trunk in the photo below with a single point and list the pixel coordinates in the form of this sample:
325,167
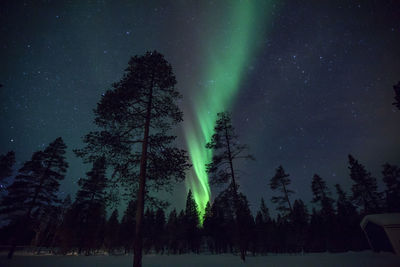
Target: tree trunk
287,199
138,242
235,198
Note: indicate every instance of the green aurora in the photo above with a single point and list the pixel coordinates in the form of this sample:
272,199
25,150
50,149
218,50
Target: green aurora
227,58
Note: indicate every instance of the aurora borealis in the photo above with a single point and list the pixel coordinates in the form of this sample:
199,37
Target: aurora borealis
307,82
245,25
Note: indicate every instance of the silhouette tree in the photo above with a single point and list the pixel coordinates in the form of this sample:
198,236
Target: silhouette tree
299,229
227,149
263,227
192,224
34,189
89,207
280,181
172,229
159,231
112,232
128,226
364,189
135,117
396,89
391,178
7,162
348,233
321,196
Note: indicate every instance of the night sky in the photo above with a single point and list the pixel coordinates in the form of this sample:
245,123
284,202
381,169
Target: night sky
308,82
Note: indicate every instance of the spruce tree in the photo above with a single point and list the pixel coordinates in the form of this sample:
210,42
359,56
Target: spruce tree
135,117
172,229
349,235
364,188
89,207
280,182
159,231
192,224
35,189
299,224
112,232
391,178
128,226
321,196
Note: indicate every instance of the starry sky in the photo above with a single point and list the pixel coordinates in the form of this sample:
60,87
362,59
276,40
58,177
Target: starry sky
307,82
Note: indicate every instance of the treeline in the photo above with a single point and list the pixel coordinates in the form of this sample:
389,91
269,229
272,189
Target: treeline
82,226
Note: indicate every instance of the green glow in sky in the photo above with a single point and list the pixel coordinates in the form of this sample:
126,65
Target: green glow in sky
231,39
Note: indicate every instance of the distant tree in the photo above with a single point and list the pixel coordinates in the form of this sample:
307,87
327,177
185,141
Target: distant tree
364,188
112,232
89,206
349,235
172,229
226,150
148,230
391,178
299,229
127,228
159,231
280,181
58,221
396,89
34,189
263,229
208,227
192,224
321,196
135,117
7,162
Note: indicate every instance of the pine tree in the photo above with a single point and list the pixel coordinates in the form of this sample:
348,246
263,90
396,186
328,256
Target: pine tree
135,117
159,231
35,189
7,162
396,89
348,233
391,178
172,229
365,188
263,227
300,218
280,181
89,207
321,195
128,226
227,150
112,232
192,224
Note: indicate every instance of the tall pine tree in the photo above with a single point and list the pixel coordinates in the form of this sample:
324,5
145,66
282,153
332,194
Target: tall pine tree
226,150
135,117
280,182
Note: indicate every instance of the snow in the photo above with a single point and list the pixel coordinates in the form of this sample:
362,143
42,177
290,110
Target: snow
365,259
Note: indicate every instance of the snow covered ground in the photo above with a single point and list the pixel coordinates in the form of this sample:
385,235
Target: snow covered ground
364,259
